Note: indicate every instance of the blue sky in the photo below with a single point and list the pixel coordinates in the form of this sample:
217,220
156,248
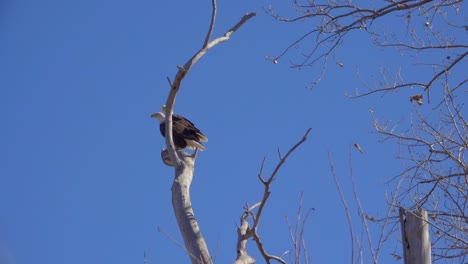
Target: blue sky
81,180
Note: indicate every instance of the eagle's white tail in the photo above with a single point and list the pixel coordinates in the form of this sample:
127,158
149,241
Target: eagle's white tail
192,144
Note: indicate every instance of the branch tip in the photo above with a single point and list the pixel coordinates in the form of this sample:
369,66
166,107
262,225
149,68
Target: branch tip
169,81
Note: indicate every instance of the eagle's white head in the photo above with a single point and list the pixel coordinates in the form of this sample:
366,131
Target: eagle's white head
160,116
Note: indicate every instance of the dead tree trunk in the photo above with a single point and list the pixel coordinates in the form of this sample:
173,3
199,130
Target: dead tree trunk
415,237
182,162
188,225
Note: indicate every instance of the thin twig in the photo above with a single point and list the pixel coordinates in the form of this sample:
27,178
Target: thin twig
160,229
243,232
361,211
345,205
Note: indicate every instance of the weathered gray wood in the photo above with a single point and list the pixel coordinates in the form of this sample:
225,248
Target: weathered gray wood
182,205
415,237
242,237
184,163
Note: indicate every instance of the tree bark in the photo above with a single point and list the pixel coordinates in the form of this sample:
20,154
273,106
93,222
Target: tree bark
182,205
242,237
182,162
415,236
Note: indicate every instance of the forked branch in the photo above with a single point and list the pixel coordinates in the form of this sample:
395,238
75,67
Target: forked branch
182,72
246,231
183,163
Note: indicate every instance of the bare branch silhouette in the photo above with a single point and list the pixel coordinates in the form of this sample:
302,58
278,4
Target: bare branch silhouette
436,181
429,27
431,35
247,230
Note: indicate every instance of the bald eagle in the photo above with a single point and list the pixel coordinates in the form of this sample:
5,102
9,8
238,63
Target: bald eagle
184,132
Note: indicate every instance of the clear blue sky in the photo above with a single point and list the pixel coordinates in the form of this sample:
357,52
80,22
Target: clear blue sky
81,179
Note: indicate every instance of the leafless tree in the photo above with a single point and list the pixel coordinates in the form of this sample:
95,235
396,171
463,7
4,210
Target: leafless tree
430,29
432,36
184,163
436,174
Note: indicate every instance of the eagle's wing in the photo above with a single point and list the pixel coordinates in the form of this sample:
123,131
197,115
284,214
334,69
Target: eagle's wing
187,129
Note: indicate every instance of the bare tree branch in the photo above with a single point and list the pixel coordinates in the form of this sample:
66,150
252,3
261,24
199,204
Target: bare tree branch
433,147
296,233
185,69
182,162
335,20
160,229
212,23
345,206
253,231
437,146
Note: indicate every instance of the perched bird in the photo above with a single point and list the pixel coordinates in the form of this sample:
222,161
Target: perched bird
418,98
184,132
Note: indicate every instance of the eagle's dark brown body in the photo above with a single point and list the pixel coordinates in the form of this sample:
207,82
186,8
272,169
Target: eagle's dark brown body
184,132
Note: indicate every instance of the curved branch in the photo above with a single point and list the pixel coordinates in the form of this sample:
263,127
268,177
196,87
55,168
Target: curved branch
185,69
183,162
425,86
